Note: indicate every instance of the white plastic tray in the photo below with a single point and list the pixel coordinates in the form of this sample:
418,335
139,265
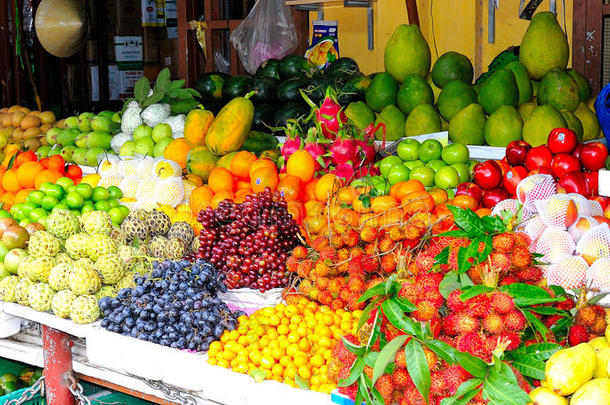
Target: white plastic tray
45,318
248,300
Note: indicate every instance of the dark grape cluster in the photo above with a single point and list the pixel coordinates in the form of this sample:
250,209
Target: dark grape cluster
249,242
176,305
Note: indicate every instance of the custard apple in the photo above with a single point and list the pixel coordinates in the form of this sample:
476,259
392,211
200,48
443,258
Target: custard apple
138,214
175,249
111,268
24,265
63,258
58,277
158,223
76,246
40,268
42,243
97,222
126,282
183,231
62,223
99,245
7,288
84,309
156,247
134,228
60,304
106,291
21,291
83,278
40,296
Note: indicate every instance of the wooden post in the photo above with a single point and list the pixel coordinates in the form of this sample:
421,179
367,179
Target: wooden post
57,363
412,12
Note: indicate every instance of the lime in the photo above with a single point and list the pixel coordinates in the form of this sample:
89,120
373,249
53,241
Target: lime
85,190
113,203
116,215
74,200
65,182
58,206
37,214
115,192
35,197
49,202
45,186
87,208
28,207
398,173
102,205
55,191
124,210
99,193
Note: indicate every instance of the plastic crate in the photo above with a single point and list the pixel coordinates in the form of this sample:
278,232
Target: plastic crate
118,398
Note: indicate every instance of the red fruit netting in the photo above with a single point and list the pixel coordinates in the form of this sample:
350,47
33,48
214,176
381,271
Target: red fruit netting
569,272
557,210
554,243
598,276
536,187
595,243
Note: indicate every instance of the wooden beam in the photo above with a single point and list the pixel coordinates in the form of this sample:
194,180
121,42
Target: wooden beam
412,12
593,44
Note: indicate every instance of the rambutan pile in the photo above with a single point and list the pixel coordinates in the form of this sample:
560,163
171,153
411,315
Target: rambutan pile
589,322
336,271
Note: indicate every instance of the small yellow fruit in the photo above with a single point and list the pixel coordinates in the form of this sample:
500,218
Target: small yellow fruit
544,396
91,179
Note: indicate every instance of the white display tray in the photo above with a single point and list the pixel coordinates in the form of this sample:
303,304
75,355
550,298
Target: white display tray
45,318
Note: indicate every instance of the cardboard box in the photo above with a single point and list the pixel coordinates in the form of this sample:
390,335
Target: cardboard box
121,82
169,55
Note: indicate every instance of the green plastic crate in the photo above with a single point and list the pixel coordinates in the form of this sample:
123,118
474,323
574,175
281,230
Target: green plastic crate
118,398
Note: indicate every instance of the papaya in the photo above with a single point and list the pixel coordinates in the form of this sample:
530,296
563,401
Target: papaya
229,130
196,126
200,162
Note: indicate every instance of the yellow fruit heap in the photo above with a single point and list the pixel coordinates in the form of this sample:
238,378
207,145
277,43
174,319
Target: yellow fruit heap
284,342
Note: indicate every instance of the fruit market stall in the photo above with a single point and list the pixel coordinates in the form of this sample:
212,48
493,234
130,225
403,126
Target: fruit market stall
311,234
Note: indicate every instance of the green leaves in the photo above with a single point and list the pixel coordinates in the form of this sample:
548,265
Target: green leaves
354,373
417,366
469,256
165,90
473,225
473,291
526,294
356,350
379,289
472,364
301,383
397,317
443,350
141,89
501,387
386,356
465,392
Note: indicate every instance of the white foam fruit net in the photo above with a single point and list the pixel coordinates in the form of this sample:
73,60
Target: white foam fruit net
509,205
553,244
598,276
536,187
533,227
594,244
569,272
586,206
558,210
582,225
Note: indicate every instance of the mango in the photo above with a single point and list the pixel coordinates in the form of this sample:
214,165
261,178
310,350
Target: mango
595,392
544,396
569,369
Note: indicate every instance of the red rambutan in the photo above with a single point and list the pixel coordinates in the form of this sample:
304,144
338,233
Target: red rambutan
586,316
437,383
522,239
409,291
529,274
400,359
386,244
454,376
424,262
388,263
425,311
599,327
500,261
479,306
448,325
368,234
577,334
454,302
513,340
385,386
503,242
370,264
350,237
465,323
502,303
493,323
521,257
336,304
355,284
401,378
514,321
470,343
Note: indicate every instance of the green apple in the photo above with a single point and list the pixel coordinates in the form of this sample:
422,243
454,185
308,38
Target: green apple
424,174
160,131
142,131
455,153
398,173
43,151
436,164
127,149
71,122
145,146
446,177
463,170
430,149
407,149
161,145
413,164
386,164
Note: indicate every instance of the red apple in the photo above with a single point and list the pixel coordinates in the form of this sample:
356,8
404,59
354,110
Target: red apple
573,182
593,155
504,166
562,140
516,151
564,163
538,157
470,189
513,177
576,151
492,197
592,180
542,170
487,174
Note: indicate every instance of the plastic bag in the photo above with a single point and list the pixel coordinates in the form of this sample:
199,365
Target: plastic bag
267,32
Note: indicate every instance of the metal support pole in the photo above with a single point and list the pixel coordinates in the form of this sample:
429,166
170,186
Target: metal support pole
57,363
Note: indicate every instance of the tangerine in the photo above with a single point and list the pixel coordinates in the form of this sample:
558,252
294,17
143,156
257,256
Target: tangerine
200,199
314,207
327,186
57,163
27,172
262,178
402,188
296,210
241,162
240,195
302,165
291,187
383,203
221,180
310,190
347,194
418,201
22,194
10,182
220,197
49,175
465,201
261,163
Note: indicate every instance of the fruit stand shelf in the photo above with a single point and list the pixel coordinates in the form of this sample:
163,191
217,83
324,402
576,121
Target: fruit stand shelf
44,318
318,5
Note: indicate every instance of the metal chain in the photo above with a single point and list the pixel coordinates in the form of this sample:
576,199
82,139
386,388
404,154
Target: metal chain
171,393
29,393
76,390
